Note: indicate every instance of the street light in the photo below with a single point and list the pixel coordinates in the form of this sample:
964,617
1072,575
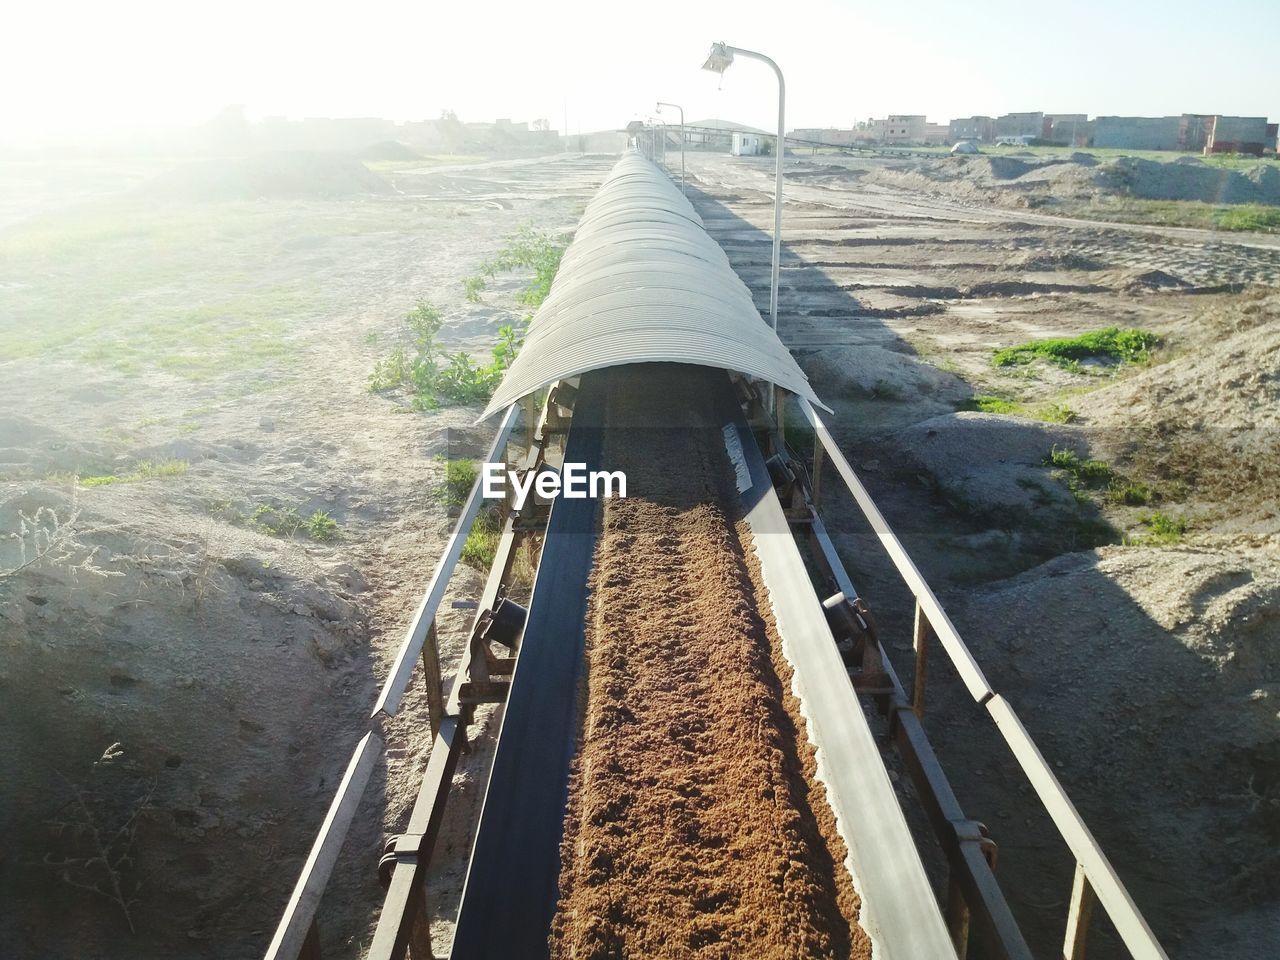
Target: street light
718,61
661,104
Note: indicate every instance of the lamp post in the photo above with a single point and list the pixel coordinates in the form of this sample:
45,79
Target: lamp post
718,61
661,104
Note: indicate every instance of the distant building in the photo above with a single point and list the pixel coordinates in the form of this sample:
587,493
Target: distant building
1020,125
937,133
1237,135
1137,133
832,135
982,129
746,144
1072,129
902,128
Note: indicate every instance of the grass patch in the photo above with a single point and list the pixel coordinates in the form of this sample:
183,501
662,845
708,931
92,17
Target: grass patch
279,520
1111,343
1250,216
459,477
1181,213
985,403
1080,474
145,470
482,542
1164,528
988,403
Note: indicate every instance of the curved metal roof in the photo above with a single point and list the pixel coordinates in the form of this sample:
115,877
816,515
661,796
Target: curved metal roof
643,282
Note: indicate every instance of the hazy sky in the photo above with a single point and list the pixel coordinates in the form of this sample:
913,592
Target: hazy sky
98,65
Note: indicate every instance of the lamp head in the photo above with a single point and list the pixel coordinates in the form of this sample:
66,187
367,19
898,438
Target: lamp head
719,59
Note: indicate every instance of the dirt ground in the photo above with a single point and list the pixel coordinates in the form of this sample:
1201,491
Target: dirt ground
192,685
212,357
1146,670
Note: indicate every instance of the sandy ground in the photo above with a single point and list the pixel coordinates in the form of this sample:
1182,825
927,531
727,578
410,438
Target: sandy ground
1146,672
232,667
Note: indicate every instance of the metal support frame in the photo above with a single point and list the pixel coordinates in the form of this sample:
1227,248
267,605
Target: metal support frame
661,104
1096,879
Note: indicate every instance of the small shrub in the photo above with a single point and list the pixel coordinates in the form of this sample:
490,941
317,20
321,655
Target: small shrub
321,527
276,521
1125,346
1130,492
472,287
1165,528
1080,474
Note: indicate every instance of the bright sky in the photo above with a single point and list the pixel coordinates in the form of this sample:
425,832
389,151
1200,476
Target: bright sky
72,64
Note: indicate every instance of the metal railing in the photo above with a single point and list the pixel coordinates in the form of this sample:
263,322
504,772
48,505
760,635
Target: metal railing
1095,878
296,934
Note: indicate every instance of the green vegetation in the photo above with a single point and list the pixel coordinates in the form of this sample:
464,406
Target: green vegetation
146,470
1113,343
531,249
279,520
437,378
482,541
1082,475
1251,216
459,477
434,377
321,527
987,403
1164,528
1180,213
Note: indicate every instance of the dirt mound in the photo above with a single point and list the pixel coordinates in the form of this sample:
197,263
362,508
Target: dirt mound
874,372
391,150
1148,678
1209,418
1048,262
1153,180
111,640
271,175
992,464
1152,280
695,828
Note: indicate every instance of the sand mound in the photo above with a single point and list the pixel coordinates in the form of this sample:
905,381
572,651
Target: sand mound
871,371
993,464
1152,280
1214,412
1151,673
1048,262
1152,180
271,175
126,638
390,150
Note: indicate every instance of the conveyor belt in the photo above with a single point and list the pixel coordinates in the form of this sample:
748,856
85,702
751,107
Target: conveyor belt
509,899
510,892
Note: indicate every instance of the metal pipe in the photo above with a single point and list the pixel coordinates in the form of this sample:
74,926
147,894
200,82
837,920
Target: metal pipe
721,56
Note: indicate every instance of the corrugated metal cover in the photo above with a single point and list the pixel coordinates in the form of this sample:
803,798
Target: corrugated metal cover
643,282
